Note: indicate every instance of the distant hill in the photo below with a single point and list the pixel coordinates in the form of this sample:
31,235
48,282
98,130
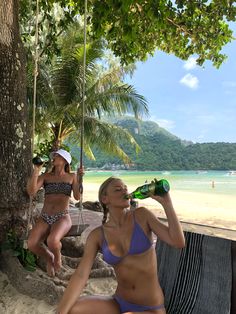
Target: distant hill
162,150
141,127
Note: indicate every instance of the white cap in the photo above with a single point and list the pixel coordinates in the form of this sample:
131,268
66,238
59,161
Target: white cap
63,153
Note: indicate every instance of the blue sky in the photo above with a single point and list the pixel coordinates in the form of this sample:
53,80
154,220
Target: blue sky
194,103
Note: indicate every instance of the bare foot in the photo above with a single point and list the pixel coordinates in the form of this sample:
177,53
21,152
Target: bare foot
50,266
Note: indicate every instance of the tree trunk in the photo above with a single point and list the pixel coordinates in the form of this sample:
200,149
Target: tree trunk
15,135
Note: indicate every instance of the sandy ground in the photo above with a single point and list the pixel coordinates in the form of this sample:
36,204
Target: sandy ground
13,302
205,213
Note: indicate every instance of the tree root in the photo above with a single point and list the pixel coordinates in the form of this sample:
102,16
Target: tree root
39,285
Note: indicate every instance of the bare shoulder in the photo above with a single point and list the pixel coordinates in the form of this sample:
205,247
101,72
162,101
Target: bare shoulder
142,212
72,175
144,216
95,236
96,232
44,176
90,250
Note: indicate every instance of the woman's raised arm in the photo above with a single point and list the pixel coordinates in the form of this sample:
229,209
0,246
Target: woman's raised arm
76,183
35,182
173,233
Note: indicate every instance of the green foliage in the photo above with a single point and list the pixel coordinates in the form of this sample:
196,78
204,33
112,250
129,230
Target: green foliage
161,150
55,16
16,245
43,147
135,29
60,98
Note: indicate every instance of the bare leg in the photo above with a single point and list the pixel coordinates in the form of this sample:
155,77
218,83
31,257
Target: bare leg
95,305
58,230
103,305
35,244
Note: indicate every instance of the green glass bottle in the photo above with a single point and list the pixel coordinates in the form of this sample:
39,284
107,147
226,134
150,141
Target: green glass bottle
156,187
39,161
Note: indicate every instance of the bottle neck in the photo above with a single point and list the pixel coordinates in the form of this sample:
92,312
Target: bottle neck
128,196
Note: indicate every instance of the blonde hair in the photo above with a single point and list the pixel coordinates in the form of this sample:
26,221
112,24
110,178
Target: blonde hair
103,191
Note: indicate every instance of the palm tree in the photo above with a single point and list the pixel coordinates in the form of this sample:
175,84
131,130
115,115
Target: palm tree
59,104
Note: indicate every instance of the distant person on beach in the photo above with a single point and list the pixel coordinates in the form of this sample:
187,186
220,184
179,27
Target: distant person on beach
54,222
125,240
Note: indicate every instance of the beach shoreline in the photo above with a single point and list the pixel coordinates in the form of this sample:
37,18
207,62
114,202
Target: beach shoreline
216,210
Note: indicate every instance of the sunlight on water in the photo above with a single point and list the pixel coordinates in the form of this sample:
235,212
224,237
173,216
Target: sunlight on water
219,182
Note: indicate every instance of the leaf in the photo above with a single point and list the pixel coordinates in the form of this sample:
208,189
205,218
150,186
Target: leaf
6,245
30,258
30,267
16,253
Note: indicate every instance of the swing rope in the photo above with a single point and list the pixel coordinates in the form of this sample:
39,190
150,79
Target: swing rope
80,177
36,59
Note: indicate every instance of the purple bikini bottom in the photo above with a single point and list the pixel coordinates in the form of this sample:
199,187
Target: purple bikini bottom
131,307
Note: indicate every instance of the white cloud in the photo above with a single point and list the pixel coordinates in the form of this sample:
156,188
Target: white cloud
190,64
190,81
164,123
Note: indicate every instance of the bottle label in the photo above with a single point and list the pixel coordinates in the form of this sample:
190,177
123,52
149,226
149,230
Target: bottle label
144,189
152,188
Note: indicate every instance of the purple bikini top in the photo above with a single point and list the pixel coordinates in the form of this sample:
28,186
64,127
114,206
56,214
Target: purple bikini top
139,243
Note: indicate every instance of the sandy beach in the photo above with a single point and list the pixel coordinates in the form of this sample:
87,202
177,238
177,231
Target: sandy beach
13,302
216,210
198,212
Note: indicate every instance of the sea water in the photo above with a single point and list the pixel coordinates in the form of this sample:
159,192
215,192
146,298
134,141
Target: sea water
219,182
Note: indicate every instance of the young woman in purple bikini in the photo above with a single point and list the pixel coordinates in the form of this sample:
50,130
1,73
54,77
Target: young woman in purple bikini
125,240
54,221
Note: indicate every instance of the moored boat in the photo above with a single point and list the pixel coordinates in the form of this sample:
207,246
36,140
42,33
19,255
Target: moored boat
232,173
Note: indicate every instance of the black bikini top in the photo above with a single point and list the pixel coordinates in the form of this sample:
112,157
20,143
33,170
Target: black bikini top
58,188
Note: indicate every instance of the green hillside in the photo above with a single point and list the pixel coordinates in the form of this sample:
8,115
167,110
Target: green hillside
161,150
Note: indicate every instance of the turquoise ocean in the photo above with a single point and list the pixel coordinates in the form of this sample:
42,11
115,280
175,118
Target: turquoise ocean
219,182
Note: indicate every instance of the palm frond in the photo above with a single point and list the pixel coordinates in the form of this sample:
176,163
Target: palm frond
107,136
60,97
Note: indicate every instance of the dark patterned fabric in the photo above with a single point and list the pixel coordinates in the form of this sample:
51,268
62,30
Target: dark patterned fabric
58,188
51,219
198,278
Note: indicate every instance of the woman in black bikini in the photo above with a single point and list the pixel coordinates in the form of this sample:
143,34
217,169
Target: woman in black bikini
54,221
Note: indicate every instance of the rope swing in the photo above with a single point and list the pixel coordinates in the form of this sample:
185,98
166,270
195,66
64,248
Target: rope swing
81,225
36,59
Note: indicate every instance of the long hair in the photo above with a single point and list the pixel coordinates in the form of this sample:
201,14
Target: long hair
103,191
66,168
